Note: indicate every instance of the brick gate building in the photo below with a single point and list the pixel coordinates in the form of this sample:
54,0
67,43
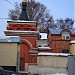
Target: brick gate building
27,30
58,40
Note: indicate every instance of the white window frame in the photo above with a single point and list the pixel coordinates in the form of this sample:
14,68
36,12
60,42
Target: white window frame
65,35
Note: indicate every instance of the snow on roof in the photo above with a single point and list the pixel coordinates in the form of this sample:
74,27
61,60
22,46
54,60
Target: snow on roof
5,37
20,21
55,31
73,41
43,35
44,48
10,39
58,31
53,54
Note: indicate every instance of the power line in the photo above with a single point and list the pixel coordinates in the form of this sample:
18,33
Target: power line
20,8
4,18
10,3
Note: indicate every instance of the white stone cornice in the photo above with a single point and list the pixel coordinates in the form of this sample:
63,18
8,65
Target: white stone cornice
18,21
16,32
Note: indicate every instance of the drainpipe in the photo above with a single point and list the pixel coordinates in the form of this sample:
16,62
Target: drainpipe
18,58
50,40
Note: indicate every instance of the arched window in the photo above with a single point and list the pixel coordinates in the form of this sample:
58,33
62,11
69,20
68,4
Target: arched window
65,35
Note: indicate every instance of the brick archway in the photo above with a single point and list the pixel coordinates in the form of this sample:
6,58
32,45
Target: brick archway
24,54
27,42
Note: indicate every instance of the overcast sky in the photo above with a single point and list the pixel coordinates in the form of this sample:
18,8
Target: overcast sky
58,8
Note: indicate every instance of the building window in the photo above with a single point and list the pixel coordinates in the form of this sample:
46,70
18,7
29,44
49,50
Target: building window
65,51
65,35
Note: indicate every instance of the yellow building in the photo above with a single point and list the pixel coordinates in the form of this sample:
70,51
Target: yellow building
72,47
9,53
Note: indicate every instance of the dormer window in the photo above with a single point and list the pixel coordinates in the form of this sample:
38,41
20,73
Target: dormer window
65,35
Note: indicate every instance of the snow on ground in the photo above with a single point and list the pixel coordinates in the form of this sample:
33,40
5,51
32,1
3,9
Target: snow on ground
57,74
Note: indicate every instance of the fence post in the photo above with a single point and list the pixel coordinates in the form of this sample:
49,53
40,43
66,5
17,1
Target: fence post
71,65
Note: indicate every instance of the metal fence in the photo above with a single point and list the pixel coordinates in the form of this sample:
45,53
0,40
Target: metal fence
71,65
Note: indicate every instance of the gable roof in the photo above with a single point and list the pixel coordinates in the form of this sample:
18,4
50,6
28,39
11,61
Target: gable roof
58,31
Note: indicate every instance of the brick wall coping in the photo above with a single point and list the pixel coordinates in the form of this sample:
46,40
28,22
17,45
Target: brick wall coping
19,21
44,48
72,42
52,54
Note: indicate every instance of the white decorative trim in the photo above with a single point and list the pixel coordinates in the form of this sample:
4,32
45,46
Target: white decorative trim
20,21
43,48
16,32
33,54
21,31
53,54
28,43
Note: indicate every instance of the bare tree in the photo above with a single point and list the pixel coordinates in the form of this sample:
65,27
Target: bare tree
36,12
65,24
15,13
